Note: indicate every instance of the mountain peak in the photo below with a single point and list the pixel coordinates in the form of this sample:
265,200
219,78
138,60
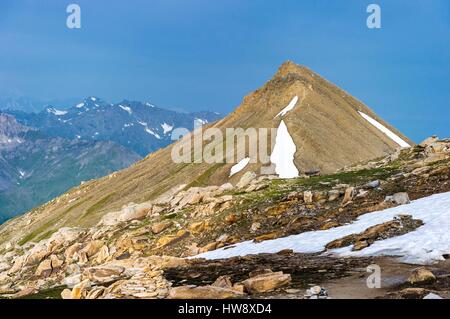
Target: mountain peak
290,67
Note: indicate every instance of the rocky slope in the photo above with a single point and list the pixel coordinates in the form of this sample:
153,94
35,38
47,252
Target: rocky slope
323,124
141,127
35,168
140,250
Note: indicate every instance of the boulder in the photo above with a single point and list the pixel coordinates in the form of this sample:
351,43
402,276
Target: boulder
93,247
421,276
267,282
398,198
203,292
308,197
172,239
246,179
72,281
104,273
160,227
348,195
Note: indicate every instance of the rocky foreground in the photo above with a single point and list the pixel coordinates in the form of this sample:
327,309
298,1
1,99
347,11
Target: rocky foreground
147,250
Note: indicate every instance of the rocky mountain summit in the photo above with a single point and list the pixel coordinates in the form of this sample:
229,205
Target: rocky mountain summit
239,240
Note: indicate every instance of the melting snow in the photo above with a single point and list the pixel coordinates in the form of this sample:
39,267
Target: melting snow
56,112
239,166
79,106
166,127
385,130
288,108
283,153
126,109
149,131
425,245
149,104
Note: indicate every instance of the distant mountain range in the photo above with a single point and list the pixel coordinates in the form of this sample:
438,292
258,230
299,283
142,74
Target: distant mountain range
44,154
138,126
35,168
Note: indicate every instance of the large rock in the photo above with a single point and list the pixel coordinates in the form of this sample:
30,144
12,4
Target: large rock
267,282
129,213
160,227
398,198
203,292
246,179
104,273
421,276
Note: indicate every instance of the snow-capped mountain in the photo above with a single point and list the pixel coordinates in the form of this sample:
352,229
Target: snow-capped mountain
139,126
35,168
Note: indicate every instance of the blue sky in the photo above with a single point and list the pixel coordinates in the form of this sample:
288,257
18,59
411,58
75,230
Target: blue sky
203,54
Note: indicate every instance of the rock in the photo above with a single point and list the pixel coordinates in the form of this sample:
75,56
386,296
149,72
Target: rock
72,281
421,276
160,227
255,226
226,187
246,179
429,141
316,291
104,273
223,282
129,213
172,239
373,184
93,247
199,227
398,198
70,252
203,292
266,237
66,294
308,197
348,195
103,254
312,172
232,218
333,195
48,266
267,282
79,291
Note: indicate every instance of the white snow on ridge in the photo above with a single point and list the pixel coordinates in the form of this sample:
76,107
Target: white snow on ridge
126,109
56,112
288,108
385,130
149,131
283,153
79,106
239,166
425,245
166,127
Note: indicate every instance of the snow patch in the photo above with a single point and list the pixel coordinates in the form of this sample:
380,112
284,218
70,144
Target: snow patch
424,245
56,112
283,153
79,106
149,131
126,109
166,127
288,108
385,130
239,166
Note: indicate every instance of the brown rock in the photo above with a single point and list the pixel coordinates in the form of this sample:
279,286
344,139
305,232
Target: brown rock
231,219
266,237
93,248
267,282
421,276
172,239
160,227
199,227
348,196
203,292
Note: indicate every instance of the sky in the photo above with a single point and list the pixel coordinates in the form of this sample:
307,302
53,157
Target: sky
206,55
